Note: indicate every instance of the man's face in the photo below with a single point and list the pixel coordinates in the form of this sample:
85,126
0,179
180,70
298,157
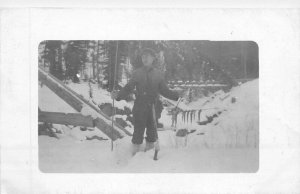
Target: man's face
147,59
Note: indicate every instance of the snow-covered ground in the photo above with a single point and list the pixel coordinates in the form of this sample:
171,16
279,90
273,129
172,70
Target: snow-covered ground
228,144
67,155
99,95
236,126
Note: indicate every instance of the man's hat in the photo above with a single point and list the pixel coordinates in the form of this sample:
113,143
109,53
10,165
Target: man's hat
148,51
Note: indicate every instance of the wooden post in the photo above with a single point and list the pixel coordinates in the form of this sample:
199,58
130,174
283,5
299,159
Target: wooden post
75,119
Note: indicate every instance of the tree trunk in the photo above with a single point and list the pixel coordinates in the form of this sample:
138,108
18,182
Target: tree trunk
60,65
93,61
113,64
97,58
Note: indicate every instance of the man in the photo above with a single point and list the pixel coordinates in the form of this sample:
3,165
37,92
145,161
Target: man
149,83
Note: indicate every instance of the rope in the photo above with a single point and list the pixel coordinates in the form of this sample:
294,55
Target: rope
113,104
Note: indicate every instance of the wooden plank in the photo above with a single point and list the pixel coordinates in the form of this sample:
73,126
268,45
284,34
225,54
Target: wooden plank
63,94
75,119
107,129
75,106
77,102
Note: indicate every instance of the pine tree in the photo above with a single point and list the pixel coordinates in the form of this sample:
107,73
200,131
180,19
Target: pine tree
116,52
102,62
53,54
75,57
42,54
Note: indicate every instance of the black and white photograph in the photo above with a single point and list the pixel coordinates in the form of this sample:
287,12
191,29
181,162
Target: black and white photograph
157,106
145,97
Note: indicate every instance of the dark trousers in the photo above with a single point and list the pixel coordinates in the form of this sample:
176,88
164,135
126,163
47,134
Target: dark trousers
143,119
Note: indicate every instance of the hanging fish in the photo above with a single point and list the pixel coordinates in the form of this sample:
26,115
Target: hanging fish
199,114
183,116
191,115
187,116
194,113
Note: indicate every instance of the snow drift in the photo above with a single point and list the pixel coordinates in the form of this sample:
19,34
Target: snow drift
227,144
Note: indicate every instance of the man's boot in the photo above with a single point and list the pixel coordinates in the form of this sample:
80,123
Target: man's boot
149,146
156,148
135,148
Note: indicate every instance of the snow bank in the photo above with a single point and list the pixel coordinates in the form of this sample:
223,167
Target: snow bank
207,149
95,156
236,126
